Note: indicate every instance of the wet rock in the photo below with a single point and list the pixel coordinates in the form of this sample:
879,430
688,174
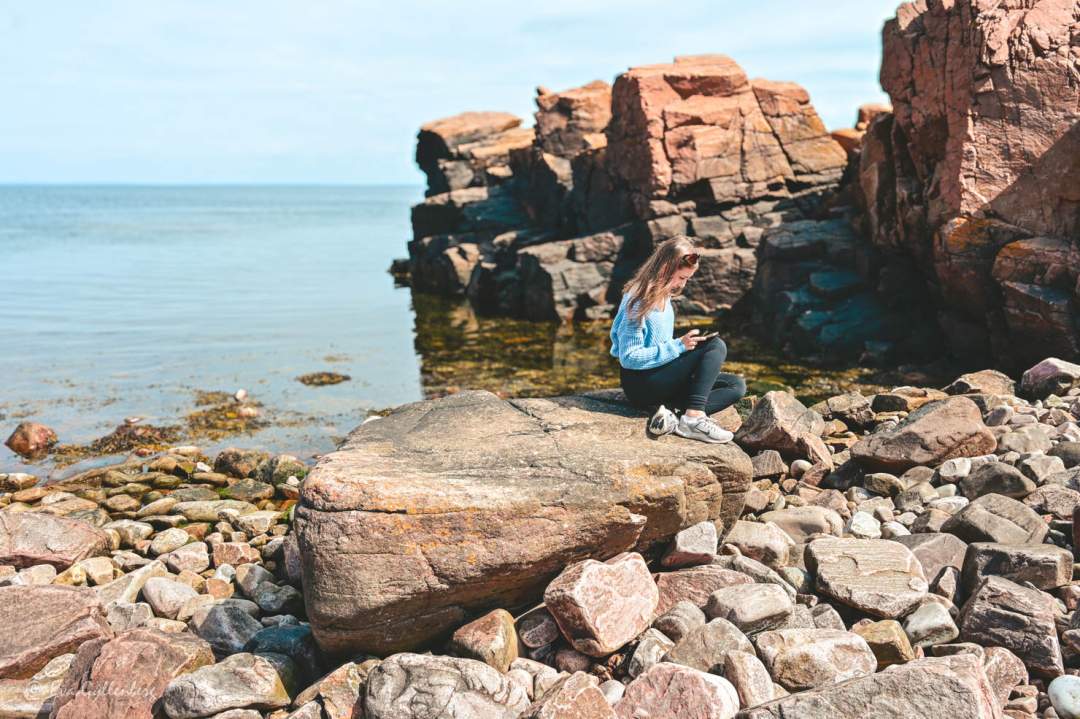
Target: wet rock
576,448
800,659
877,576
239,681
1043,565
404,685
993,518
671,690
126,676
953,686
694,584
751,607
248,490
930,435
490,639
63,618
577,696
1004,614
600,606
28,538
705,647
31,440
240,462
693,545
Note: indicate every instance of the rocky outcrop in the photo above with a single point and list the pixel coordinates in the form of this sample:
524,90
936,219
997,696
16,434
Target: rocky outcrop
973,175
691,147
448,507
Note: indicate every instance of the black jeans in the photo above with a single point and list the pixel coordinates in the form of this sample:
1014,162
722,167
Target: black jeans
692,380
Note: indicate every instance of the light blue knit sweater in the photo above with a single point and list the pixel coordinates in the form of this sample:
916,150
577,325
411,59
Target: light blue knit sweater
644,344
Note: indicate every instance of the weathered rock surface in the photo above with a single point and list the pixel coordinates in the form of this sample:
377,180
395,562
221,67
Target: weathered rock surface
239,681
578,696
977,157
601,606
801,659
935,432
876,576
954,686
994,518
1004,614
127,675
63,618
29,538
671,690
447,522
412,685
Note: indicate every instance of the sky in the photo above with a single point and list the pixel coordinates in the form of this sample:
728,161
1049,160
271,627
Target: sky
331,91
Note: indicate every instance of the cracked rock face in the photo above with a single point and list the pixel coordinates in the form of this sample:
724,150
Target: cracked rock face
448,507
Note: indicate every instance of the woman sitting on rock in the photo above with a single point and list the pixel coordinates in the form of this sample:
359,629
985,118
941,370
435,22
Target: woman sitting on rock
658,370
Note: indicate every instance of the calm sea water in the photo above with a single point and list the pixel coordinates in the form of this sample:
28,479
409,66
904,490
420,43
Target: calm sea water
131,301
122,301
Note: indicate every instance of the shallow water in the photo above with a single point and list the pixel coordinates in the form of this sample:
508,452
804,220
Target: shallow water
130,301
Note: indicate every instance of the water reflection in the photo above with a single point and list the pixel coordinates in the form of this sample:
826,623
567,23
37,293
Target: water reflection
460,349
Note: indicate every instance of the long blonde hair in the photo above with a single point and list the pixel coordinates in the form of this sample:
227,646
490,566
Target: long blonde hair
648,288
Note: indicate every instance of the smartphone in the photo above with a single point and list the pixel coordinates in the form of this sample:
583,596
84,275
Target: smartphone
708,335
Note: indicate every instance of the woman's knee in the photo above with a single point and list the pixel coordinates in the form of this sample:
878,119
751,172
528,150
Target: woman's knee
738,386
715,345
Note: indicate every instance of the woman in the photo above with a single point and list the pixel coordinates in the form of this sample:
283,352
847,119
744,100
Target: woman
659,370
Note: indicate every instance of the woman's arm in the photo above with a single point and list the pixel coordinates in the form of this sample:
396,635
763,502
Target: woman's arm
634,354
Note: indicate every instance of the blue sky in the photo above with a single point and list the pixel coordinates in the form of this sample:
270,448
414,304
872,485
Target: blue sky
314,91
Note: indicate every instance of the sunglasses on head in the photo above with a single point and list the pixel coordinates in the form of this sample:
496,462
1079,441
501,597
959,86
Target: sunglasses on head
690,259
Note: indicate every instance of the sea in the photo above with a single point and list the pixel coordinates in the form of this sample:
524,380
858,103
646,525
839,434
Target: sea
132,303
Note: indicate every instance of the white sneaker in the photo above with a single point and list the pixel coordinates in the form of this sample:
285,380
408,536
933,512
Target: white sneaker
703,429
662,422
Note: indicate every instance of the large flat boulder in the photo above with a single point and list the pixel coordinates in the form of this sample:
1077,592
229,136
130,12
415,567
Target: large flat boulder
449,507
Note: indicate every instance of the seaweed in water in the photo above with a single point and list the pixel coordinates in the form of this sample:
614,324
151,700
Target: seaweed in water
321,379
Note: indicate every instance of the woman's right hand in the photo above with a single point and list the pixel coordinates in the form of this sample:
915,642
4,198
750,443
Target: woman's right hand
691,339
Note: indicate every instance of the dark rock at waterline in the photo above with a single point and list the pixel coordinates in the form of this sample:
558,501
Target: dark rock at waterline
321,379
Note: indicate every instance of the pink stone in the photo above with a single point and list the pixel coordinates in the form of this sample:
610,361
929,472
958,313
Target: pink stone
672,690
695,584
601,606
